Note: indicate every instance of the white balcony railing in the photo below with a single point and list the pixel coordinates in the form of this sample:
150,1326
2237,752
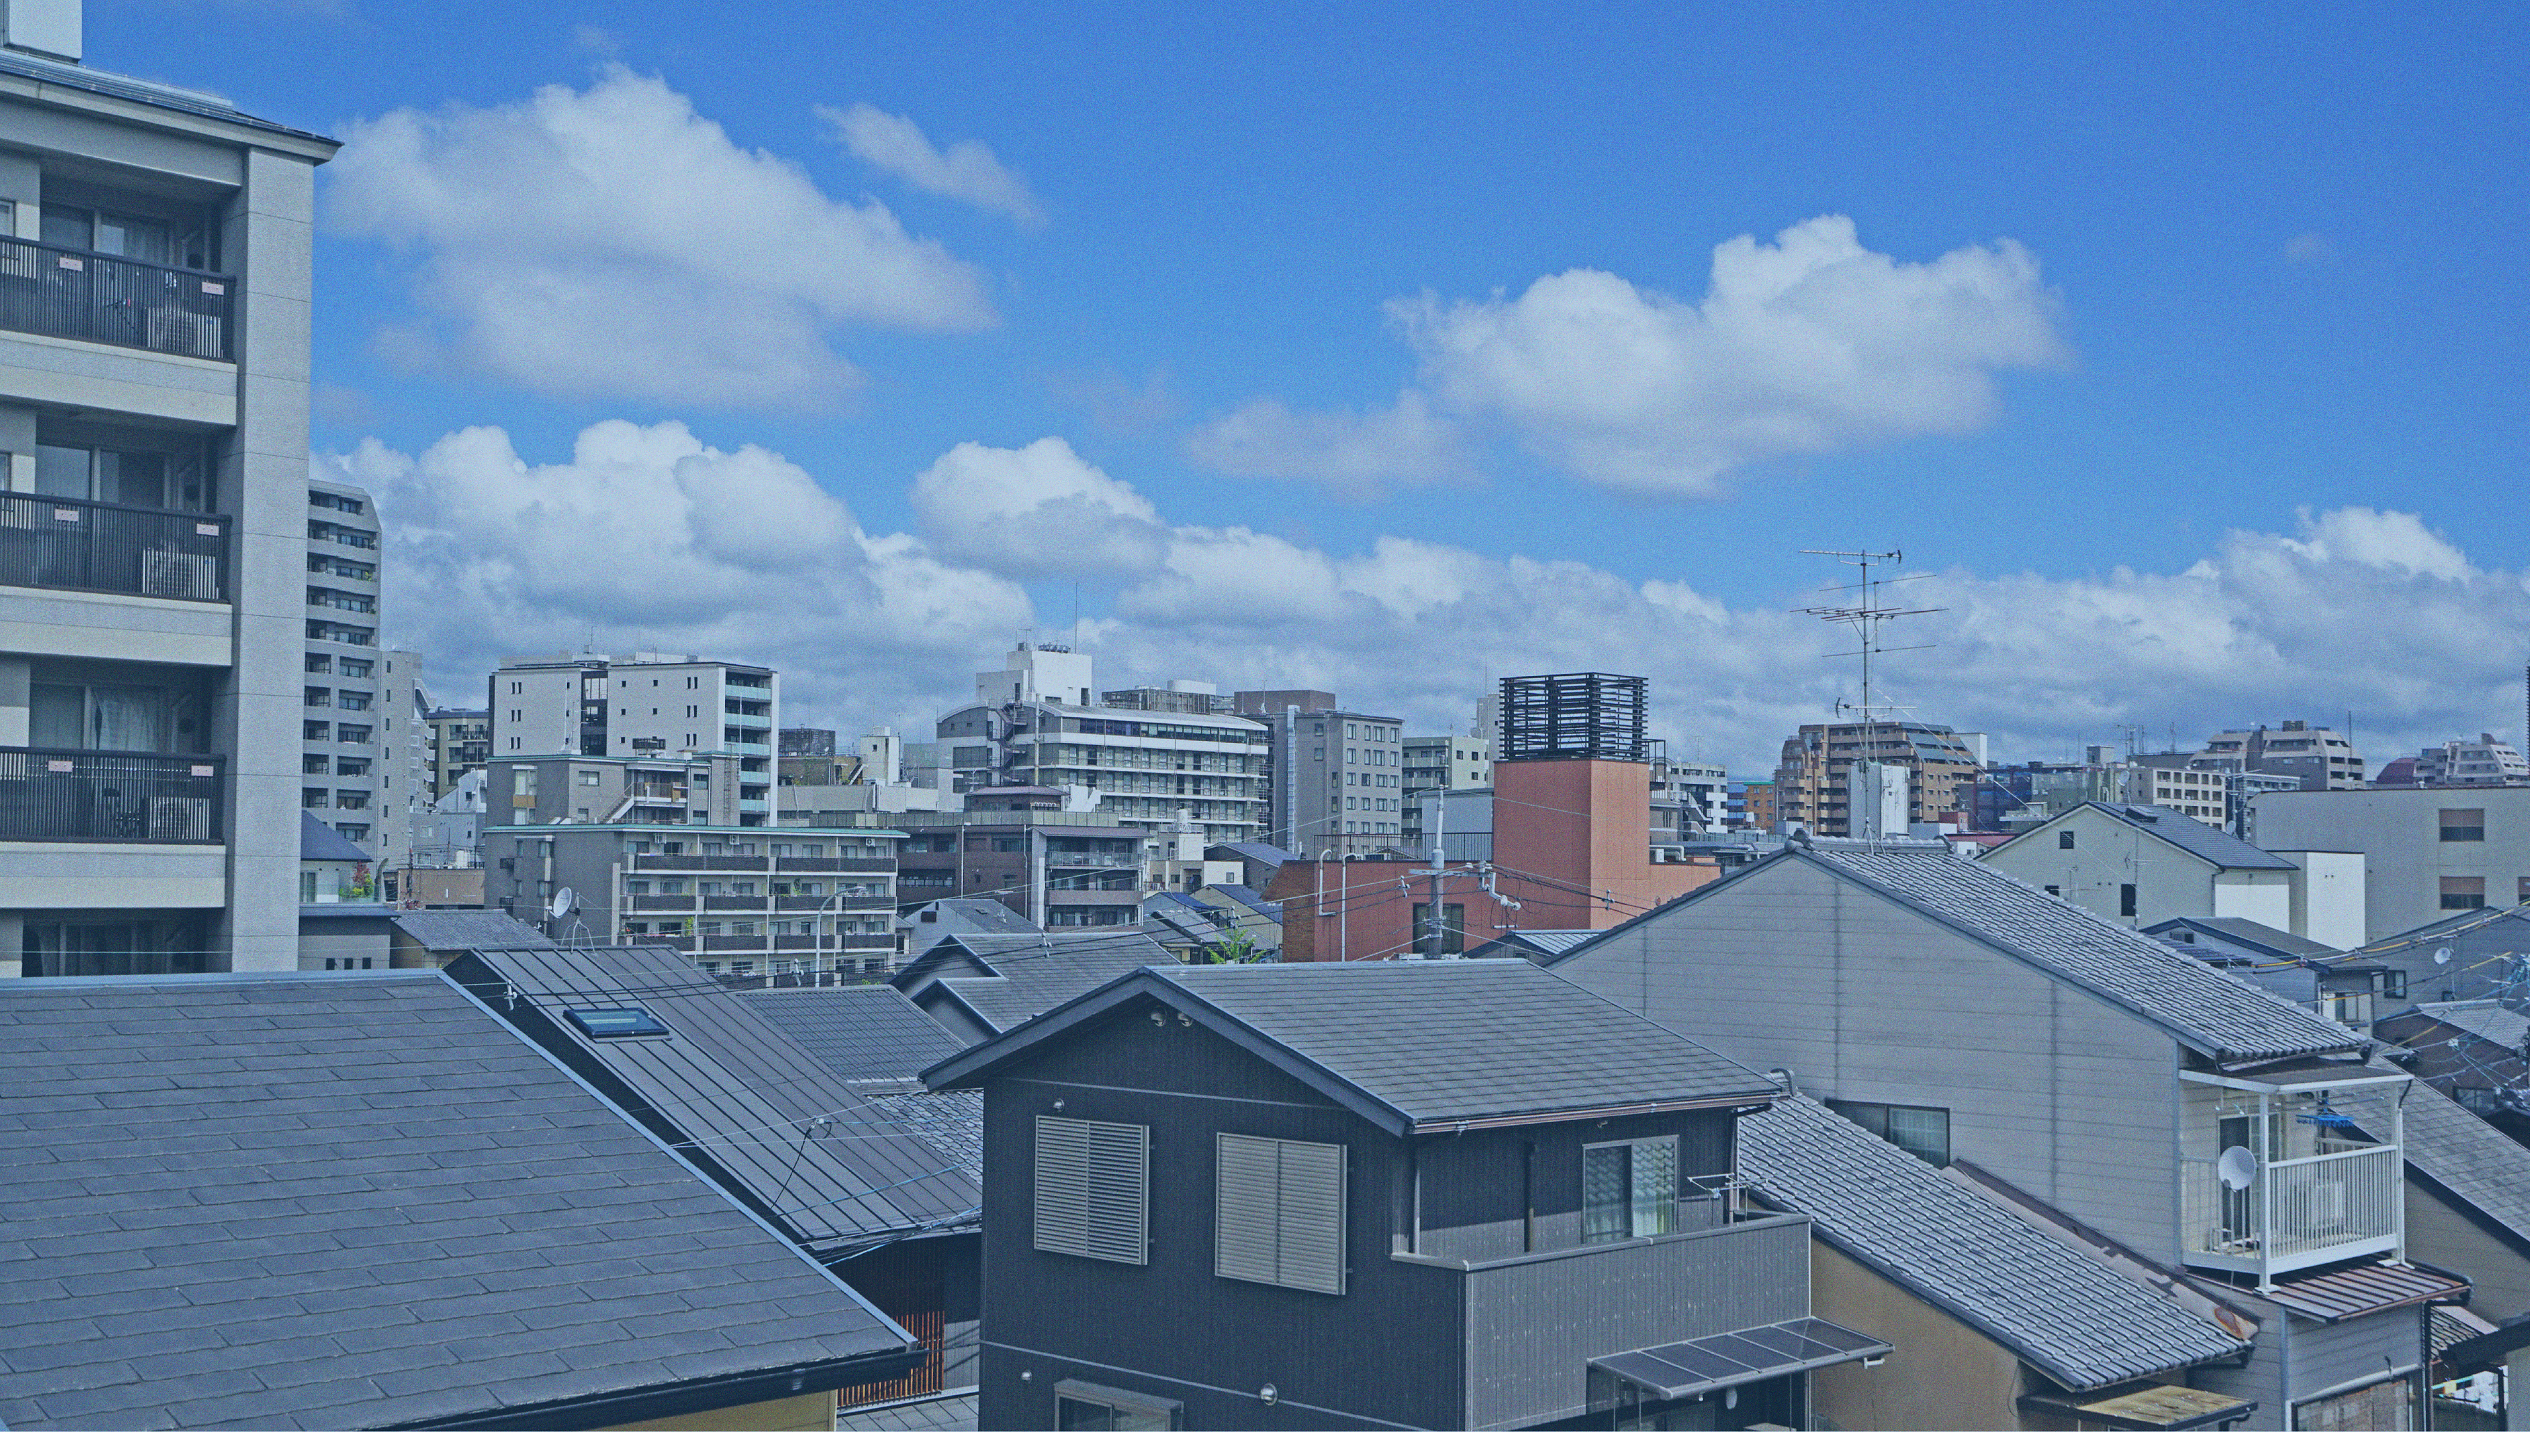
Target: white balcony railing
2293,1213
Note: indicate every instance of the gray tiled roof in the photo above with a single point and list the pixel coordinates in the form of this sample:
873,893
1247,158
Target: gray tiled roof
1467,1039
971,912
2073,1317
729,1084
2252,933
2195,837
352,1201
2217,1013
2485,1018
951,1121
857,1031
467,929
948,1412
2476,1161
1034,973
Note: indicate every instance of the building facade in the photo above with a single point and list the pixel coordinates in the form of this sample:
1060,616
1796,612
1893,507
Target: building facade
1338,784
460,740
647,704
2428,853
1439,763
1812,778
2319,758
154,290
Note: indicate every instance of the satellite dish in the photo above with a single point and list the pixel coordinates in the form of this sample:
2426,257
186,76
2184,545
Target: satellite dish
2237,1167
563,903
2442,956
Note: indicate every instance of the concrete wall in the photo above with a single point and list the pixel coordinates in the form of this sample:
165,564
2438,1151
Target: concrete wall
1942,1373
2265,896
2328,901
2398,832
2107,855
2049,1087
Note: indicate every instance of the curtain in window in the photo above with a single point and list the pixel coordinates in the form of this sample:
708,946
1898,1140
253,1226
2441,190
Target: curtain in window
1606,1194
1655,1187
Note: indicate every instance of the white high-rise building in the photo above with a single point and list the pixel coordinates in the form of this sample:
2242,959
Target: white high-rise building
647,704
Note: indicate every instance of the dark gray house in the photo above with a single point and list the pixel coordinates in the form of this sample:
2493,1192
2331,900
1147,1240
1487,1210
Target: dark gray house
1455,1194
2205,1124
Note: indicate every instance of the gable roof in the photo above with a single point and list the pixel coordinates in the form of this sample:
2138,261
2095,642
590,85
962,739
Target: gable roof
2266,939
2216,847
974,912
1539,945
319,841
1030,974
2468,1158
776,1125
2215,1013
857,1031
2070,1315
1416,1045
360,1201
468,930
2488,1019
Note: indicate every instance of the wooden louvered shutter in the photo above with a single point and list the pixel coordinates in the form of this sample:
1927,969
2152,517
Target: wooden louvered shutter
1279,1213
1093,1189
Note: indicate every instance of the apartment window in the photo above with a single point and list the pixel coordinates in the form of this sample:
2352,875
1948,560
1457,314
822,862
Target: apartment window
1922,1132
133,479
1629,1190
1092,1189
1089,1407
2126,900
315,731
2064,840
2463,825
1278,1212
2463,892
1453,927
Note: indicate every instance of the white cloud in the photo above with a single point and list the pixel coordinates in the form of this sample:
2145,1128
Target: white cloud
966,172
582,244
1809,345
1355,453
1040,510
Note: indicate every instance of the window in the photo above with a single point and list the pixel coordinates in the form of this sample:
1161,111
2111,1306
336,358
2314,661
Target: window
1922,1132
1629,1190
1093,1189
2463,892
2393,984
2463,825
2126,900
1453,927
1088,1407
1278,1212
2064,840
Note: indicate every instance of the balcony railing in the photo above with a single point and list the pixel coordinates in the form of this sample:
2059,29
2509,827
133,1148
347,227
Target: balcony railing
66,293
2293,1213
69,544
110,797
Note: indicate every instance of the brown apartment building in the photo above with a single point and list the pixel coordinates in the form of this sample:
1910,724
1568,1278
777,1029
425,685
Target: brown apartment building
1811,780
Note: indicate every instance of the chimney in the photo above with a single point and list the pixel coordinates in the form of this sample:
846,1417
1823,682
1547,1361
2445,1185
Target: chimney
50,28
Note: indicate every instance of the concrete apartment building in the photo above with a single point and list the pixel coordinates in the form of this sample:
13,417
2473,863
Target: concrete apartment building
364,748
456,741
1440,763
594,790
2321,759
1338,777
1811,779
2482,762
649,703
154,291
2428,853
1059,870
736,900
1032,725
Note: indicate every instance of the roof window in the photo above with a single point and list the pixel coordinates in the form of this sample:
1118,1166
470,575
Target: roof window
625,1023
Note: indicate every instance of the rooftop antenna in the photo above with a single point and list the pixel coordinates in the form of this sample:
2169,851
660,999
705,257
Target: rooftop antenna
1866,614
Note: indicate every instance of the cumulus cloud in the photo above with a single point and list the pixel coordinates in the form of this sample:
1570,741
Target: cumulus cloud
1807,345
1355,453
580,244
1041,510
966,171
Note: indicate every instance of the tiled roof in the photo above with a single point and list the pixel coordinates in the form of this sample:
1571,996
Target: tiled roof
969,912
353,1201
951,1122
788,1132
2484,1018
2219,1014
2073,1317
467,930
2194,836
1034,973
857,1031
2281,943
2477,1162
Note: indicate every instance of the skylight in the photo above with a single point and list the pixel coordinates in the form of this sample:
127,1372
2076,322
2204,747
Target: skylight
623,1023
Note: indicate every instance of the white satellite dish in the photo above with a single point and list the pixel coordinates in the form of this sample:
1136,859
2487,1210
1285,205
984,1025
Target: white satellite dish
563,903
2238,1168
2442,956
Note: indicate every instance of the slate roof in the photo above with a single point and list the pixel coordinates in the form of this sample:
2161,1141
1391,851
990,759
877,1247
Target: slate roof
2217,1013
726,1084
2069,1315
1255,903
946,1412
2485,1018
857,1031
2282,944
353,1201
467,930
1034,973
2470,1158
319,841
1257,851
1541,945
950,1121
1417,1044
973,912
2205,842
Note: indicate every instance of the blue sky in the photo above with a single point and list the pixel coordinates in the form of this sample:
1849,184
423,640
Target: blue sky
2275,283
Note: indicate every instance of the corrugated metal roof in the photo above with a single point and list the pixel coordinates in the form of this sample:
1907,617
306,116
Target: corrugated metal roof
2217,1013
2073,1317
2484,1018
2471,1158
353,1201
727,1084
2363,1288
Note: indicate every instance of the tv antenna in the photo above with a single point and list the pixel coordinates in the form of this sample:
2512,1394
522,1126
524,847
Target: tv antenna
1866,612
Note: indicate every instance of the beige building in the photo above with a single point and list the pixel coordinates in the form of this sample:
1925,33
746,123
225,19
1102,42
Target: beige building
1811,780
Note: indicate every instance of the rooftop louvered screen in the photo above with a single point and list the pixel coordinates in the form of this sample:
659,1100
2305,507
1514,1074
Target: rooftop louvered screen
1093,1182
1573,716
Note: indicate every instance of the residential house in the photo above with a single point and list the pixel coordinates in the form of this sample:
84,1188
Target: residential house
2142,865
2473,1051
2428,853
2468,1209
155,247
932,921
312,1200
1535,946
342,922
2105,1074
2344,987
1460,1194
429,939
978,986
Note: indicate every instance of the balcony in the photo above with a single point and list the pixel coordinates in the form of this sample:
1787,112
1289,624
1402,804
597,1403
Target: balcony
110,797
2288,1171
69,544
98,298
734,717
660,902
828,865
740,863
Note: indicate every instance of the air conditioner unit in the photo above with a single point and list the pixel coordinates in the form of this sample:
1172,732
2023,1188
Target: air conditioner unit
173,330
187,576
185,818
2327,1204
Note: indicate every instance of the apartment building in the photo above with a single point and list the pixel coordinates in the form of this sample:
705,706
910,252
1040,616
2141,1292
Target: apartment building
2482,762
364,752
2428,853
154,292
1439,763
1031,725
2319,758
736,900
1811,781
1338,779
650,703
594,790
1058,869
457,741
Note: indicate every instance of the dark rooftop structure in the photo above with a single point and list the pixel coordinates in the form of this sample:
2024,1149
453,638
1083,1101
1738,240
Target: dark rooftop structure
1578,715
857,1031
977,986
363,1201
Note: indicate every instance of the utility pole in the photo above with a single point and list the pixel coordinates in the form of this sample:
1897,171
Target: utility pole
1436,934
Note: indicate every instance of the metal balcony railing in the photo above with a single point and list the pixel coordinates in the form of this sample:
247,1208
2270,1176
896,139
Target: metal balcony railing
70,544
2293,1213
67,293
110,797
